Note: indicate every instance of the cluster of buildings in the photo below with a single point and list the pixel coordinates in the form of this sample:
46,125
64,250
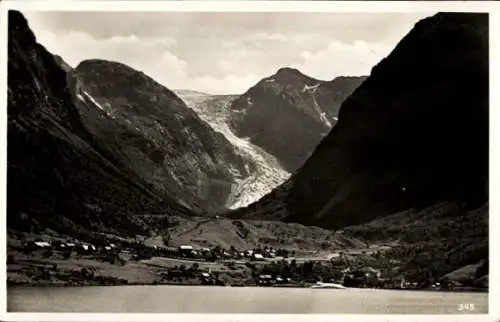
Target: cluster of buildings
190,251
270,280
78,246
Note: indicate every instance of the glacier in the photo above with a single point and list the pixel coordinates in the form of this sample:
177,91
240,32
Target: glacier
266,173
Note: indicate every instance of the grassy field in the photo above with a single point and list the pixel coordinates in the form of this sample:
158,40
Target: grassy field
37,269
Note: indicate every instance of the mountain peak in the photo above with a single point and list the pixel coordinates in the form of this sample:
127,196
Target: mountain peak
100,63
289,71
20,30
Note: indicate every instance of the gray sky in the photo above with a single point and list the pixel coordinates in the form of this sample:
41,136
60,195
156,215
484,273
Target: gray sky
224,53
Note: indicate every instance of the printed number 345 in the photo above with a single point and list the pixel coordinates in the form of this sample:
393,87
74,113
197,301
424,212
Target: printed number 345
466,307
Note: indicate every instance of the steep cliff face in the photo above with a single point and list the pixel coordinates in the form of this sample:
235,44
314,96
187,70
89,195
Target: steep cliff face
58,175
413,134
288,113
156,135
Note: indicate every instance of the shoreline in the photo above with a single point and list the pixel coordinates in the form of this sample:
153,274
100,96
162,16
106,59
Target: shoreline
55,284
97,269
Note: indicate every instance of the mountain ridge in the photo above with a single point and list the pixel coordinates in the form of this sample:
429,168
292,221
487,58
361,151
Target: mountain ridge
288,113
393,148
158,136
45,131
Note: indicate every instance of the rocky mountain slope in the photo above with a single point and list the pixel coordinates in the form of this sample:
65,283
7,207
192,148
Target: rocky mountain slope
444,240
156,135
247,234
288,113
266,172
59,175
415,133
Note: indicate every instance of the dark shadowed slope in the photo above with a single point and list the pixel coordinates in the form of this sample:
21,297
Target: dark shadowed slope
58,175
434,242
156,135
288,113
413,134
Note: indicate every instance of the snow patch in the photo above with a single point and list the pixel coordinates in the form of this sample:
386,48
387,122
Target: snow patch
322,115
80,97
324,119
310,88
93,100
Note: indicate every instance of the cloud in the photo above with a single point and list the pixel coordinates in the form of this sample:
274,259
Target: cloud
239,67
230,84
150,55
340,58
223,53
264,36
150,42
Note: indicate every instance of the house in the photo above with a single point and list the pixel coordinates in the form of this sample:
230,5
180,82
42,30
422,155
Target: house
186,250
109,247
369,271
265,280
88,247
258,257
34,245
361,277
42,244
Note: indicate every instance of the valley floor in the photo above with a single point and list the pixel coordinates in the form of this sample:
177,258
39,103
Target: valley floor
295,255
38,269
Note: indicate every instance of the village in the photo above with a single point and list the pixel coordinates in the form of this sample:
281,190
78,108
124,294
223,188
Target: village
190,265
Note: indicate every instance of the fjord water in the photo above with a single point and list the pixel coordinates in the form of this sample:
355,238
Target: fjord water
195,299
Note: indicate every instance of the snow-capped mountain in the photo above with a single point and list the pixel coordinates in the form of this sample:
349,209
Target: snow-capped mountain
289,113
265,172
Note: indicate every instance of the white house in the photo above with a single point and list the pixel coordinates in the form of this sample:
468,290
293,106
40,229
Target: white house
258,256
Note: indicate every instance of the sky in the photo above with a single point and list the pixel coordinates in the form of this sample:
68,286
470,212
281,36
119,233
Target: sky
224,53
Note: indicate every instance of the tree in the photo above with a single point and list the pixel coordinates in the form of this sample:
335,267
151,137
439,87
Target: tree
48,253
84,272
166,239
67,254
